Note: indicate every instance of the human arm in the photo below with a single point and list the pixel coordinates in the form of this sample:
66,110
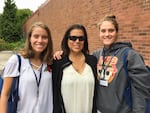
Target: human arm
11,70
140,81
5,94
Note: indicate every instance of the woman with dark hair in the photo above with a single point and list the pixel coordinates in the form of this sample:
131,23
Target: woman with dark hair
75,74
65,45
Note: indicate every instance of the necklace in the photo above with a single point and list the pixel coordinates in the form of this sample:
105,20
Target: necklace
35,65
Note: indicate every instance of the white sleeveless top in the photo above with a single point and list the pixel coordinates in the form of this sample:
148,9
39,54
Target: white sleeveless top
78,90
29,102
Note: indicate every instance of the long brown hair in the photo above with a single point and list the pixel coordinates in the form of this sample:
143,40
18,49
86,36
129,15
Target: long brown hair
47,54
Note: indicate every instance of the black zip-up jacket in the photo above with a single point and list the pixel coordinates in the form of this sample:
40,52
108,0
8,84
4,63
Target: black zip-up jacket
57,73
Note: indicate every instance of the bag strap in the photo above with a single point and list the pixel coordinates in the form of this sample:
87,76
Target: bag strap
15,84
125,60
19,68
127,91
19,60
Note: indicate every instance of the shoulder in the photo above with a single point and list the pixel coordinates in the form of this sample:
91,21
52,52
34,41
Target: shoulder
97,53
11,66
13,59
61,62
132,56
91,59
132,53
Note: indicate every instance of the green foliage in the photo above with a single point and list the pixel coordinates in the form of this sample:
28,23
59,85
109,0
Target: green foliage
8,21
11,46
19,45
11,22
4,45
22,15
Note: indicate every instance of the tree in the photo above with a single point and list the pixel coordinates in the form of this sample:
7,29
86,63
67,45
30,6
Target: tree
12,20
0,25
22,15
8,22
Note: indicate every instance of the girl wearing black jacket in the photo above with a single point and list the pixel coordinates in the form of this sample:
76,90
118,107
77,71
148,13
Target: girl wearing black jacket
75,74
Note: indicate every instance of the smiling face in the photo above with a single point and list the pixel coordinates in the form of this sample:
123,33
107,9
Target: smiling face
39,40
108,33
77,45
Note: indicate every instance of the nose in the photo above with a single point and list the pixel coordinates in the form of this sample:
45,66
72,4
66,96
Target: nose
77,40
107,33
40,39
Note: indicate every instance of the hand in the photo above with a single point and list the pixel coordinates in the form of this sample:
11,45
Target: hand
57,55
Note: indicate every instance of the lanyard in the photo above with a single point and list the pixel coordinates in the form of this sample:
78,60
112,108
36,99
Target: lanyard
104,67
36,78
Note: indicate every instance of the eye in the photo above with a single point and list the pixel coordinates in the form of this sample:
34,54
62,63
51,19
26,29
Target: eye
111,30
35,36
103,30
44,37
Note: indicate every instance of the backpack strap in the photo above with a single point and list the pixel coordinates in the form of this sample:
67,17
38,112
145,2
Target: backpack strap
15,84
127,91
19,68
19,60
125,52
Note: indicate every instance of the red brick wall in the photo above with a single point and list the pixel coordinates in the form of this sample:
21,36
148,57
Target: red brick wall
133,17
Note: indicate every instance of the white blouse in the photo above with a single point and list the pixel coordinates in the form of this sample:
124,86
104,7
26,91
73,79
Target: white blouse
29,102
78,90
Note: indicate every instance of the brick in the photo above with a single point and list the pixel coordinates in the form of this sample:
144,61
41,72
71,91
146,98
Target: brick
132,15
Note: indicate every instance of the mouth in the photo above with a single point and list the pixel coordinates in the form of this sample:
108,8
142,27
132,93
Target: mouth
108,37
39,45
76,46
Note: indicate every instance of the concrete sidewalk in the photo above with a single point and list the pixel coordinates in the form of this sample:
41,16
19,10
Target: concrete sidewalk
4,56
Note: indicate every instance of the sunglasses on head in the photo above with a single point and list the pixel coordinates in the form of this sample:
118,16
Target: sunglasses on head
74,38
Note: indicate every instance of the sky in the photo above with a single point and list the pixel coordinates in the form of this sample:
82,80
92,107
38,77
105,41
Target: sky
23,4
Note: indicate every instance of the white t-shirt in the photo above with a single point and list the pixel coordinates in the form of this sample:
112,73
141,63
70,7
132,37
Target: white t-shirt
29,102
78,90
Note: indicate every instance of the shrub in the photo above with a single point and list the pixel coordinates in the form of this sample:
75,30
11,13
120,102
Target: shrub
11,46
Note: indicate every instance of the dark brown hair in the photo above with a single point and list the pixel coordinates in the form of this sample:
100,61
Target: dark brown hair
64,44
